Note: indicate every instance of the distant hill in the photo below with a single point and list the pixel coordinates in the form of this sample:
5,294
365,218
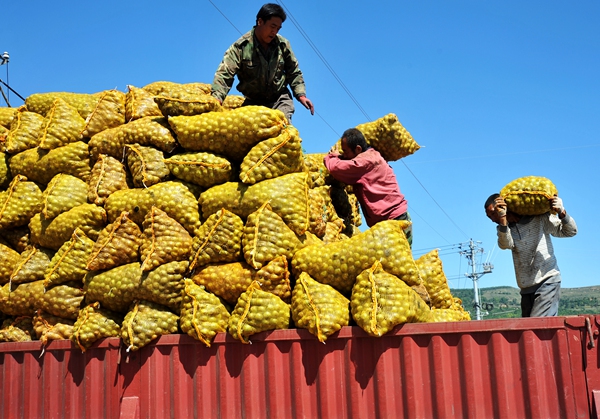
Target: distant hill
505,302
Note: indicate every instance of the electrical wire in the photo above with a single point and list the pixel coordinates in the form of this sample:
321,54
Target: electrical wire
226,18
414,212
322,58
433,199
4,96
327,123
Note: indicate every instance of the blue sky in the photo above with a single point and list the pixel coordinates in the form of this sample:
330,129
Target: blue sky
491,90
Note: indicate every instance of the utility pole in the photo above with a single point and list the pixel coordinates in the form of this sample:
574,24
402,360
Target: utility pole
470,253
4,59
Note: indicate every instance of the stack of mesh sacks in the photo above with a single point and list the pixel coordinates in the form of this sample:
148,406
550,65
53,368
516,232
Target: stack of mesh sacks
161,211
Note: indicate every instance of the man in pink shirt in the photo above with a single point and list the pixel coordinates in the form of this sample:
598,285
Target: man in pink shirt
372,179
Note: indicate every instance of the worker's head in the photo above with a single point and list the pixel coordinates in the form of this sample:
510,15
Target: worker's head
490,209
353,143
270,10
269,19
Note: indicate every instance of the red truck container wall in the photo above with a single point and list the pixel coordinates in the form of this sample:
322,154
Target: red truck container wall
521,368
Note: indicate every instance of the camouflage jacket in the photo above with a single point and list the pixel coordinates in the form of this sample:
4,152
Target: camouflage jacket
260,78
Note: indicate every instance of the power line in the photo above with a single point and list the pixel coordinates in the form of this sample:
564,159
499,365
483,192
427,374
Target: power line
412,211
223,14
433,199
316,50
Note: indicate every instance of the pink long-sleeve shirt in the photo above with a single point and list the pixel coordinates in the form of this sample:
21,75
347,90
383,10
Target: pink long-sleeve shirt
373,182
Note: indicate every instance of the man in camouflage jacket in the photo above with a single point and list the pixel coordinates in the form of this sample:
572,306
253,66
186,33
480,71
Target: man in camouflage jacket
265,65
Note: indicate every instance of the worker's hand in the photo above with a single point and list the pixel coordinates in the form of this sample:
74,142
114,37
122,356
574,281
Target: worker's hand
557,205
500,207
306,102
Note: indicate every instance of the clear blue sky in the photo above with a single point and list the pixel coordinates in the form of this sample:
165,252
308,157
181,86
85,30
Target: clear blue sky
492,91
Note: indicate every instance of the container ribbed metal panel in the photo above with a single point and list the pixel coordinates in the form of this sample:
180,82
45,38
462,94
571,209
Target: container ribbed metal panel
516,368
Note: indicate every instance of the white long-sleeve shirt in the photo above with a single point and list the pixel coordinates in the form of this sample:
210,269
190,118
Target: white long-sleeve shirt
532,250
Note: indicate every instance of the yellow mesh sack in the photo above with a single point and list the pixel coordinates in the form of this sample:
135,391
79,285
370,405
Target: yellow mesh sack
422,292
164,240
109,112
380,301
274,277
231,134
435,281
117,244
90,218
62,126
257,311
319,210
41,166
95,323
147,131
3,134
449,315
226,280
115,289
42,102
24,131
287,195
233,102
266,236
70,261
203,169
186,103
17,330
333,231
139,103
338,264
21,300
170,89
219,239
177,199
31,266
136,201
49,327
345,204
17,238
146,165
108,175
6,116
203,315
389,137
273,157
529,195
63,300
164,284
8,259
319,308
63,193
230,280
318,173
19,203
310,239
145,322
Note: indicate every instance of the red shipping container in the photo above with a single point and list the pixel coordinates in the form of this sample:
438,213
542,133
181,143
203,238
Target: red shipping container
513,368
